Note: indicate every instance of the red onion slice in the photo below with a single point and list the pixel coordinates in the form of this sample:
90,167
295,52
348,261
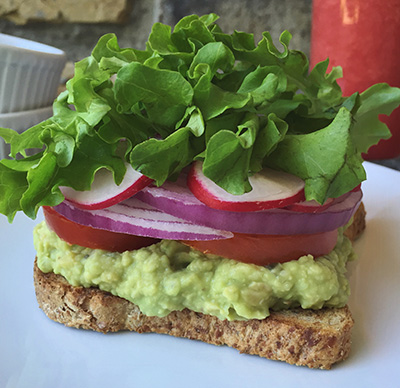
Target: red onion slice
135,217
176,199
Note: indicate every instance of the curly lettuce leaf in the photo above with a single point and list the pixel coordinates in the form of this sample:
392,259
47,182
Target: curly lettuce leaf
164,94
306,156
196,92
368,129
227,149
171,154
13,186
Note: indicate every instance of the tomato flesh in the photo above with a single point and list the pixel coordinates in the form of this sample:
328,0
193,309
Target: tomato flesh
268,249
248,248
93,238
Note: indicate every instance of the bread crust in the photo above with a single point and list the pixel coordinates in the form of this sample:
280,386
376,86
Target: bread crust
312,338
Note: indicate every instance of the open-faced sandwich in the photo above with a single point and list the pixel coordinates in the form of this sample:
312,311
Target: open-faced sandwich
206,187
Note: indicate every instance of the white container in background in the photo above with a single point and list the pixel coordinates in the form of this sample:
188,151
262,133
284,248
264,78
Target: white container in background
30,74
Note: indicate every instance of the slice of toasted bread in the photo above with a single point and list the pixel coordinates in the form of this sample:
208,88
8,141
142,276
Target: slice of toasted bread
313,338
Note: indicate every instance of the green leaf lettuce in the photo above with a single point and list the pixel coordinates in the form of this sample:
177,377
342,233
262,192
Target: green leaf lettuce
196,93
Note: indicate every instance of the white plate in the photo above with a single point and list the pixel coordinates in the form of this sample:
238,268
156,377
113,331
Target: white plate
36,352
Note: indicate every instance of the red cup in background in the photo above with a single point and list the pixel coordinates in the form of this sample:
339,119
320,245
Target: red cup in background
363,37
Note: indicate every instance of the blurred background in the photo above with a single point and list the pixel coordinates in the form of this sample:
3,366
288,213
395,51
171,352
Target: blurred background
75,25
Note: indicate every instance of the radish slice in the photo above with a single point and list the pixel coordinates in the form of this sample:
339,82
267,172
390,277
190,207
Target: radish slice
135,217
176,199
310,206
271,189
315,207
104,192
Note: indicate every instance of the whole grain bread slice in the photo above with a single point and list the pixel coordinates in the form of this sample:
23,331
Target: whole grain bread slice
313,338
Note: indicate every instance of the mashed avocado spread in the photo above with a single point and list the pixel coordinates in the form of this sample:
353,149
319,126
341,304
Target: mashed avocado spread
171,276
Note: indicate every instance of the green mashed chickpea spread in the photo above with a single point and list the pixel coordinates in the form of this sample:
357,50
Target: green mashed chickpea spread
170,276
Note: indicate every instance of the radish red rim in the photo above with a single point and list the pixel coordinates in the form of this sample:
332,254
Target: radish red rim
270,189
104,192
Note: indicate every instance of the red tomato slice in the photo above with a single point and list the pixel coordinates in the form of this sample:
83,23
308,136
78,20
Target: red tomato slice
93,238
268,249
